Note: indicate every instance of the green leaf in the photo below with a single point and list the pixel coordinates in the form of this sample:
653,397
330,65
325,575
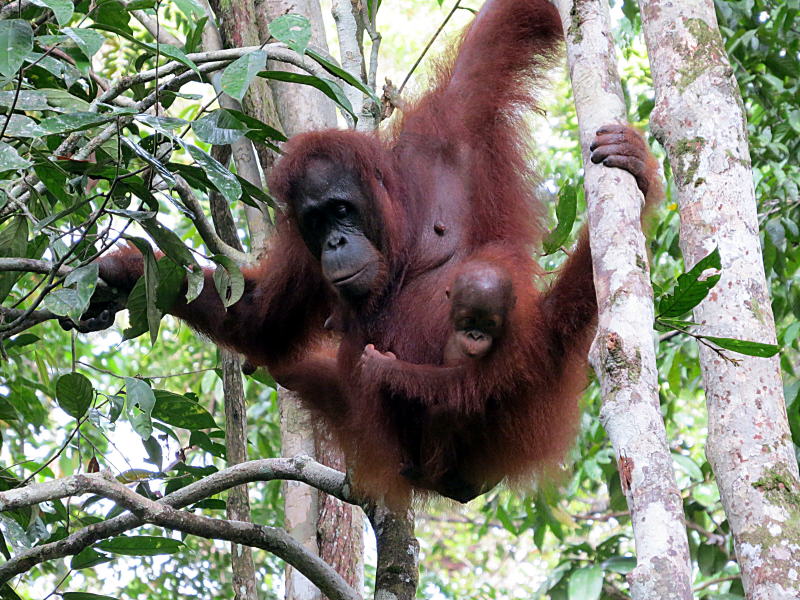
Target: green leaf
74,393
21,126
151,278
292,30
222,178
137,311
78,121
88,40
190,8
690,289
140,404
88,558
228,280
179,411
140,545
85,596
256,130
16,40
565,213
165,174
10,160
237,76
74,298
744,347
62,9
330,88
585,583
620,564
177,54
339,72
688,465
219,128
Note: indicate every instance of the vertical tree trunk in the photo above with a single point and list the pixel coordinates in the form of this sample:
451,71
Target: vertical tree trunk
623,354
238,504
699,118
333,529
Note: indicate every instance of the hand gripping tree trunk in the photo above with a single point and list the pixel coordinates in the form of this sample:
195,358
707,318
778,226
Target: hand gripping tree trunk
699,119
623,353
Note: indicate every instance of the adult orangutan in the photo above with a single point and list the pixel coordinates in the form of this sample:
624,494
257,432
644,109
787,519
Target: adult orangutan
424,391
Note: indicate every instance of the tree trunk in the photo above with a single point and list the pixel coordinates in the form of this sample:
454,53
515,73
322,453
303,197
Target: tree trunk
699,118
623,352
334,530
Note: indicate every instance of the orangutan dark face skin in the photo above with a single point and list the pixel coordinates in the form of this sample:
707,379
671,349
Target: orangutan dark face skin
330,204
480,299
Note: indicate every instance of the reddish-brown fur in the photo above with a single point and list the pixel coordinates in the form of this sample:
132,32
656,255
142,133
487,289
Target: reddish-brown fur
451,183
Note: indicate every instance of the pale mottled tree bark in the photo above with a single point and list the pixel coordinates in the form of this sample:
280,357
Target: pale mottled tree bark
623,352
699,118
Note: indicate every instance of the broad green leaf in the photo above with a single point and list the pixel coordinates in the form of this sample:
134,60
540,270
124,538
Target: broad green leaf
238,75
88,40
74,393
7,410
585,583
293,30
565,213
339,72
165,174
177,54
140,5
155,455
85,596
744,347
688,465
88,558
140,545
179,411
10,160
117,406
219,128
228,280
256,130
78,121
26,100
690,289
330,88
151,278
16,41
74,298
191,8
62,9
21,126
222,178
620,564
140,402
65,302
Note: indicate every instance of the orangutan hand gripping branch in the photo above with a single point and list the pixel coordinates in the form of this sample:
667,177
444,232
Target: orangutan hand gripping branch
427,391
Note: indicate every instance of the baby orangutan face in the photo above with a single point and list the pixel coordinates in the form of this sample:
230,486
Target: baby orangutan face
480,297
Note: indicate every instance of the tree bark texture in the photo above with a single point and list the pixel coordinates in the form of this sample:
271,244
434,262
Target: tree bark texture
699,118
623,351
238,503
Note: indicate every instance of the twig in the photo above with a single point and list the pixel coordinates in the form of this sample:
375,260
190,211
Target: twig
453,10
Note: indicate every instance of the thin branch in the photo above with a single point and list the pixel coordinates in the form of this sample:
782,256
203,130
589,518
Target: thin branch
272,539
300,468
160,35
427,47
204,228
